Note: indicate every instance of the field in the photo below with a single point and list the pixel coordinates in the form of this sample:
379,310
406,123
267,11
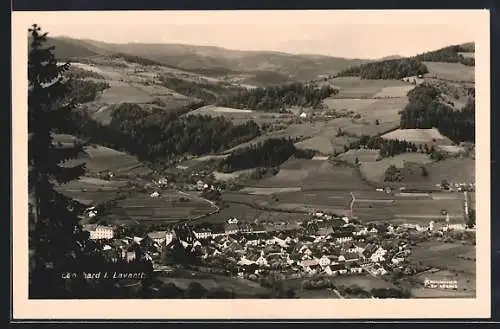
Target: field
323,136
168,207
240,115
247,209
449,259
90,190
313,174
346,104
238,286
220,176
100,158
211,109
366,282
354,87
453,170
450,71
362,155
370,109
411,208
445,256
269,190
394,91
418,136
374,171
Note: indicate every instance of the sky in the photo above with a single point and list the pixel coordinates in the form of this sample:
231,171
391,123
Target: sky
353,34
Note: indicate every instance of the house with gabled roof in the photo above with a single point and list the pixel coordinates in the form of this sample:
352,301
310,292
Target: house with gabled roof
355,268
324,261
158,236
378,255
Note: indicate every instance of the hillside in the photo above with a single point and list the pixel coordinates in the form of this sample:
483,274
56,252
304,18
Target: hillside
67,48
450,54
217,61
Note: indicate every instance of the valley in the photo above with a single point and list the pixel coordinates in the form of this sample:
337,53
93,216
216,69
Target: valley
182,137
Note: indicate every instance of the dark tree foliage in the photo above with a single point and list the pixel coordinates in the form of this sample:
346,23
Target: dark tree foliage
390,293
158,134
56,241
269,153
449,54
83,91
389,69
386,147
78,73
207,92
277,98
425,110
136,59
393,174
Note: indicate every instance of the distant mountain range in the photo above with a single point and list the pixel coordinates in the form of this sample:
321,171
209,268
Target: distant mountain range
208,59
217,61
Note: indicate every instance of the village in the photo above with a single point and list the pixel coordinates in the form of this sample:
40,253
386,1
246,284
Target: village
322,245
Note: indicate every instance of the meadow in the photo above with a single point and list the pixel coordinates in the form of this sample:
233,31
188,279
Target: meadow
445,256
419,136
365,282
405,209
450,71
354,87
168,207
99,158
374,171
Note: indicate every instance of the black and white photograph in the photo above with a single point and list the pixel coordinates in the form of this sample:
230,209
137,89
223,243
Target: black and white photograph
254,156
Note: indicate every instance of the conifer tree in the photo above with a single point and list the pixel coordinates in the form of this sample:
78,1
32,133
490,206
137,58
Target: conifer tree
57,241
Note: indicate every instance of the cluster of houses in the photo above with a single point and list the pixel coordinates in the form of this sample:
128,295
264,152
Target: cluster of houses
457,186
324,244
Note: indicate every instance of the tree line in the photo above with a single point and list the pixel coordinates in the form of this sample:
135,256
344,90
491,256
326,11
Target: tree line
84,91
388,69
270,153
426,110
386,147
79,73
450,54
277,98
156,134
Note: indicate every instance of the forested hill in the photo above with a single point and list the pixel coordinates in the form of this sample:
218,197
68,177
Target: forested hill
411,66
277,98
427,110
388,69
162,136
450,54
270,153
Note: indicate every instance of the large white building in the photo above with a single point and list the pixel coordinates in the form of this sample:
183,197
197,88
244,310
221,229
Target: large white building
99,232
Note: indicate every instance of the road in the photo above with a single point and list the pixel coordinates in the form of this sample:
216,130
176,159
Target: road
338,293
351,205
466,205
191,196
